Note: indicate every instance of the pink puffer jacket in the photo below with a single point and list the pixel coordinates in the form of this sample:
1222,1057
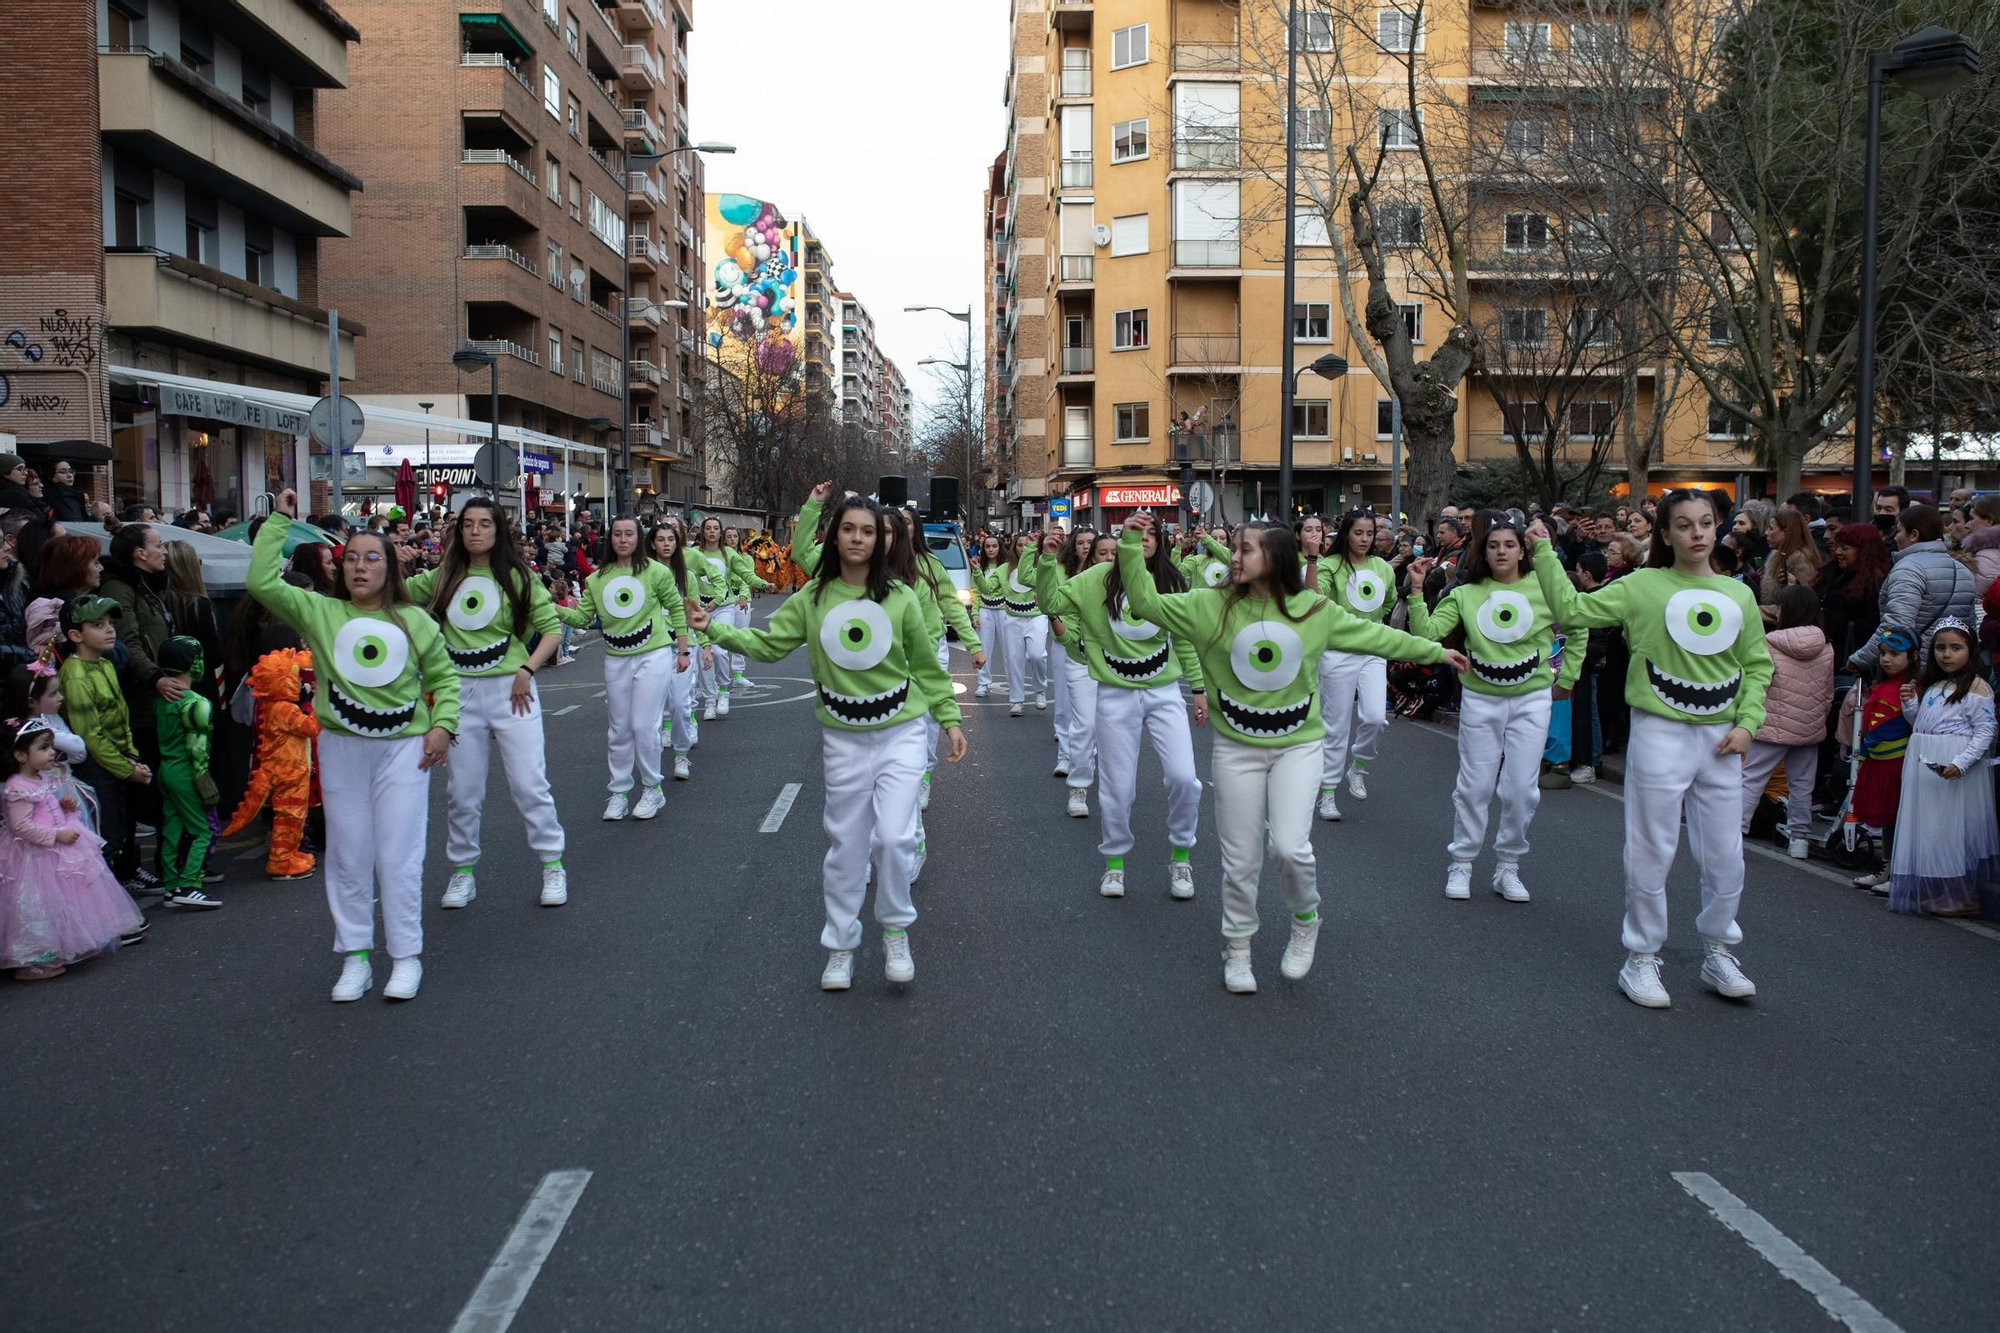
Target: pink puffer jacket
1801,693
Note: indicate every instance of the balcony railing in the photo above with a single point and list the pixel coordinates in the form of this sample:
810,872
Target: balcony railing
502,347
642,247
1077,268
1221,253
495,156
684,229
1222,446
506,252
644,372
644,433
1074,83
1076,173
612,387
640,59
642,184
640,119
1078,451
1205,149
687,392
613,162
1205,57
1079,360
643,311
1207,349
1530,61
489,59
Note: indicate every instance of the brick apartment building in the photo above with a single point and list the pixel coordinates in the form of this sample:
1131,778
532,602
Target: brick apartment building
501,213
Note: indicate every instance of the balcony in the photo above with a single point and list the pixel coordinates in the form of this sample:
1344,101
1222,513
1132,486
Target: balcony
1078,451
640,70
311,37
1540,66
641,15
1071,15
150,293
1078,361
684,229
502,347
1219,253
644,192
1073,83
1222,446
1206,58
643,434
506,252
681,63
687,392
494,60
642,251
645,376
639,310
474,157
1197,352
1076,173
160,113
1076,269
1205,149
639,121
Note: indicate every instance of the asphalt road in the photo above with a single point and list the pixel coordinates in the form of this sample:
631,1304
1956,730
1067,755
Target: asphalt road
1456,1122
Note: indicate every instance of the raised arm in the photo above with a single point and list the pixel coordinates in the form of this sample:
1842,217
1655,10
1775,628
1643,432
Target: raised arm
1603,609
1434,625
788,630
266,580
1174,612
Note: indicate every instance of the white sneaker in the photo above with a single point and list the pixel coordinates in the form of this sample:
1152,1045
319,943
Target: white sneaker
1458,881
650,801
1723,975
683,770
404,978
1079,803
722,704
1797,849
355,979
1299,953
1583,776
1640,980
982,692
897,964
1180,879
694,730
1042,702
460,890
839,974
1507,883
1874,879
1015,710
1357,784
1062,768
1112,885
1329,809
616,807
924,792
555,886
1236,974
708,713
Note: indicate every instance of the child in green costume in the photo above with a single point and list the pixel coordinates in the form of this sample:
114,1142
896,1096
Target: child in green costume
187,792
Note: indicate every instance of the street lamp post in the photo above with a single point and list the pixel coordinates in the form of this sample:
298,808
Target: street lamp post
1289,390
965,318
1329,367
1932,62
472,358
427,448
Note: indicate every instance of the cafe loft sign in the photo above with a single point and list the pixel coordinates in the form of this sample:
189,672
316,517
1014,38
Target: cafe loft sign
207,406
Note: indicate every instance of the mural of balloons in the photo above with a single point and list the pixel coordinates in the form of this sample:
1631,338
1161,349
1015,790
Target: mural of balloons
754,286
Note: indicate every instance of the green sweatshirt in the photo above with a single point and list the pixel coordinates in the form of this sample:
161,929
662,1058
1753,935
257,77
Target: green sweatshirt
942,607
1367,590
874,662
716,581
743,578
1017,587
478,622
373,668
1697,641
1208,565
806,547
1122,650
1049,577
94,703
986,586
184,725
1261,664
635,608
1509,635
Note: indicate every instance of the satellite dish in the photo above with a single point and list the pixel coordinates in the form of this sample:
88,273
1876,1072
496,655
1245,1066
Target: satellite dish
1101,234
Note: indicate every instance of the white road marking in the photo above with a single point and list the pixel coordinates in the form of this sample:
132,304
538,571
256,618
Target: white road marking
561,711
781,807
598,695
1783,1254
498,1297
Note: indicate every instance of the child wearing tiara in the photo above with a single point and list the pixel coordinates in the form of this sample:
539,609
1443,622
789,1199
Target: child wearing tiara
1949,847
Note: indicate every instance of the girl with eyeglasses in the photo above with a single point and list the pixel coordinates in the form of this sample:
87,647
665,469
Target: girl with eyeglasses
668,546
387,699
986,563
1354,687
1699,671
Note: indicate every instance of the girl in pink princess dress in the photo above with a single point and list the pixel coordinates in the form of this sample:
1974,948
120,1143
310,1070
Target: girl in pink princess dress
58,901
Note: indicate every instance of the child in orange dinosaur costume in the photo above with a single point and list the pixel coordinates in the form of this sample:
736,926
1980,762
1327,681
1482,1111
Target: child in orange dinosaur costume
282,771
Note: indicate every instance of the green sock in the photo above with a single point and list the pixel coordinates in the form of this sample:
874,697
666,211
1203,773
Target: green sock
1305,916
891,930
464,870
357,953
1114,863
551,865
1181,854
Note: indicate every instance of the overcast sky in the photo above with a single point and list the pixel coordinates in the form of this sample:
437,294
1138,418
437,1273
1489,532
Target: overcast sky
877,120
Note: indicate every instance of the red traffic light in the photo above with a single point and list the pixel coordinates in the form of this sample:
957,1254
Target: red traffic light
440,491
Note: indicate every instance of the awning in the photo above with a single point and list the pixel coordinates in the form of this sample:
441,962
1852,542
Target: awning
496,21
76,451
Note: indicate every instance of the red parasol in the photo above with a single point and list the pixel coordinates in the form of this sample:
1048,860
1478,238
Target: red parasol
406,487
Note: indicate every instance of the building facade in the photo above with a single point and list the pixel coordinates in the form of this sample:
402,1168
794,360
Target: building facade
504,215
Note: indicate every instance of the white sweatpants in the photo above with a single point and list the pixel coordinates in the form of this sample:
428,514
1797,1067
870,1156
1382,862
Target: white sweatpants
931,728
680,698
1354,703
1500,742
871,803
1078,744
377,814
486,719
739,616
635,695
1256,785
989,634
1024,640
715,677
1674,770
1801,770
1162,715
1058,668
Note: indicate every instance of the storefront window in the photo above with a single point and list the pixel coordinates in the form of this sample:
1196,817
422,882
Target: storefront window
135,454
215,469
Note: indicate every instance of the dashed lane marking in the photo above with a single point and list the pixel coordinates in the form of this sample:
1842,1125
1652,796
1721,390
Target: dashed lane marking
498,1297
561,711
781,807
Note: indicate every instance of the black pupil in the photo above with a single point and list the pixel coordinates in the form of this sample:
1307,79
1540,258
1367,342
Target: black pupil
1506,615
1704,618
854,634
1265,654
369,652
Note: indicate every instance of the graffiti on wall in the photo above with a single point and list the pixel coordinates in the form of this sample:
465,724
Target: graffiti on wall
45,361
753,299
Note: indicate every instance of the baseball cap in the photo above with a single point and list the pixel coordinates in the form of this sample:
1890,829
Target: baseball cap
88,611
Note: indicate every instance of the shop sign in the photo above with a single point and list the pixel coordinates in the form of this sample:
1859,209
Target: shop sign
539,464
207,405
1117,496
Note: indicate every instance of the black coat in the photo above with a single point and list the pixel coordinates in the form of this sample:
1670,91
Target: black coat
17,497
71,505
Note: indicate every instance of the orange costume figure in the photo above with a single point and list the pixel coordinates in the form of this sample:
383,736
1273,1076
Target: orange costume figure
282,771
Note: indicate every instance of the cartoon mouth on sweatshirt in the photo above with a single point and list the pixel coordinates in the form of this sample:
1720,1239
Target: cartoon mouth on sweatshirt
1137,669
862,711
1505,674
1265,721
1703,700
478,659
362,720
630,641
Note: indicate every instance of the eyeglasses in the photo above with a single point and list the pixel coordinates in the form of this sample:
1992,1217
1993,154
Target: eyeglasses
362,558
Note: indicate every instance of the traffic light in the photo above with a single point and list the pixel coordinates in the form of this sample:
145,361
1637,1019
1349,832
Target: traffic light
440,492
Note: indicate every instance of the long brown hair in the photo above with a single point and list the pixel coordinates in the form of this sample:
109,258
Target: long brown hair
1160,564
1961,680
1794,537
509,570
1281,570
1660,551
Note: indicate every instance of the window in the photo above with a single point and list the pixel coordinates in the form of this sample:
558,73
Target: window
1130,235
1596,41
555,349
1590,234
1128,330
1413,320
1129,422
1526,232
131,220
1385,418
256,90
576,360
1726,231
1590,138
1526,39
1525,419
128,27
555,266
198,62
1396,31
1400,225
552,169
1310,229
552,92
1592,420
1129,46
1721,333
203,237
1128,141
1525,138
258,266
1524,326
1311,419
576,198
1309,126
1317,27
1724,424
1589,326
575,120
1397,128
569,34
1312,322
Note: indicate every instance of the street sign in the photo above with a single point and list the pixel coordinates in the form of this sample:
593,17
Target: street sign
1201,497
321,424
497,464
1059,507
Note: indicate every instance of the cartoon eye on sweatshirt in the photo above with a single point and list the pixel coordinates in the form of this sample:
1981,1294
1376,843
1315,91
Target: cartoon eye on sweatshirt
1366,590
1215,574
1020,593
473,607
369,657
1266,657
1704,626
1506,617
1151,649
857,635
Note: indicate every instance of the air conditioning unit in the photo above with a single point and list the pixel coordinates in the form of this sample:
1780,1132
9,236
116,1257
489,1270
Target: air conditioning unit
1368,458
1101,234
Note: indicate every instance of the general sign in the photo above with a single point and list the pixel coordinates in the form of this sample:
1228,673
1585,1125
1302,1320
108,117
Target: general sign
1115,496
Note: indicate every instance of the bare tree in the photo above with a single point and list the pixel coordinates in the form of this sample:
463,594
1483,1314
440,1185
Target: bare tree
773,433
953,440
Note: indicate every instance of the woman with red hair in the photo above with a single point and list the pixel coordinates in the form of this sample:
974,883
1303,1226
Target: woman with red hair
70,567
1850,587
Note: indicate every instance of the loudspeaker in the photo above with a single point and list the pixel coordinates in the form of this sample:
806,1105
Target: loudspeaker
892,492
944,499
